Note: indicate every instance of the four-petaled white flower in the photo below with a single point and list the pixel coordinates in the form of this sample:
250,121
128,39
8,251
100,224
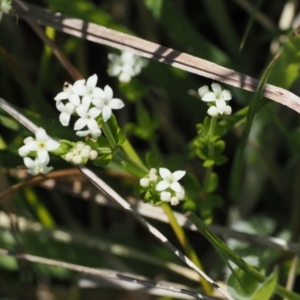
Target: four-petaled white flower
42,144
218,96
87,117
125,66
70,92
104,100
170,180
36,167
66,111
87,90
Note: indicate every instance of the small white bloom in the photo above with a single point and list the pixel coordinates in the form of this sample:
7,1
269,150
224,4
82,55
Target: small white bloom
153,171
70,92
174,200
66,112
85,152
77,159
144,182
153,177
218,96
125,66
228,110
36,167
87,117
87,90
213,111
180,195
165,196
104,100
170,180
42,144
80,146
69,156
93,155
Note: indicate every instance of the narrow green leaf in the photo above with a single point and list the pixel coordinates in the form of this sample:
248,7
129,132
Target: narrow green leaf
213,182
121,137
131,169
267,288
103,160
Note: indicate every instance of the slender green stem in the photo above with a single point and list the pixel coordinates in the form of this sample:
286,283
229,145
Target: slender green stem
210,134
186,246
107,131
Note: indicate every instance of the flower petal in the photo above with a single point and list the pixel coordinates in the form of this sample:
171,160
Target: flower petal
216,88
116,103
74,99
42,155
92,81
177,175
41,135
162,185
209,97
106,113
213,111
203,90
92,125
226,95
98,93
175,186
164,173
94,112
108,92
62,96
24,150
28,162
82,110
80,123
221,105
51,145
64,119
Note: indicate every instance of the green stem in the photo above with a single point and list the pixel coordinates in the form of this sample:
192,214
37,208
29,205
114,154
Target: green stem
186,246
107,131
208,170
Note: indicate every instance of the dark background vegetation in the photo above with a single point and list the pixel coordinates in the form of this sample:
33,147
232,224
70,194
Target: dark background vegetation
31,76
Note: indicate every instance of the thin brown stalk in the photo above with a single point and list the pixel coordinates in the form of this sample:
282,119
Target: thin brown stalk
122,41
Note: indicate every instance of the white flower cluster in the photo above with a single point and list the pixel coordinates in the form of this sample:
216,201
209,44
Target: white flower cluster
125,66
80,153
218,96
166,183
40,147
88,102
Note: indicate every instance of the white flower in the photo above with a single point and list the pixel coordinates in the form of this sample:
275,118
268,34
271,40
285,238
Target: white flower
174,200
87,90
93,155
70,92
36,167
144,182
104,100
170,180
165,196
125,66
218,96
87,117
42,144
66,112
